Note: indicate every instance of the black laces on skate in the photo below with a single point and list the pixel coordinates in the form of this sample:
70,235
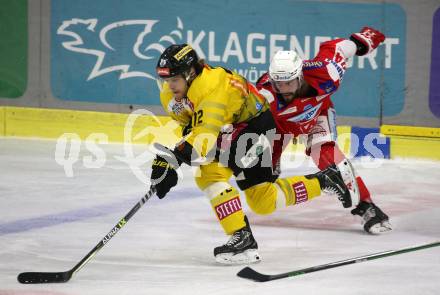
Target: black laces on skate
234,239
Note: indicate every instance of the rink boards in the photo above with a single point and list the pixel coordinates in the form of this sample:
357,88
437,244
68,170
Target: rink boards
388,141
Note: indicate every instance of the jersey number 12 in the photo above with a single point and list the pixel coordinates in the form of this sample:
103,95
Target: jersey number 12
197,118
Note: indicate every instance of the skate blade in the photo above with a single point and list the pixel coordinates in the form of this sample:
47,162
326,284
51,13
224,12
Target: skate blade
247,257
380,228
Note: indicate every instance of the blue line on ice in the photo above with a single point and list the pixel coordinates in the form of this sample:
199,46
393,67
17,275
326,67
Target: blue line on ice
28,224
59,218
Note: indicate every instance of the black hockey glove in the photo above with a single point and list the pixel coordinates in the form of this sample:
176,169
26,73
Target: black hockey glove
163,173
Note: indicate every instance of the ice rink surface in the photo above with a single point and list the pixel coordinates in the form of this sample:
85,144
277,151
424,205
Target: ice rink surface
49,222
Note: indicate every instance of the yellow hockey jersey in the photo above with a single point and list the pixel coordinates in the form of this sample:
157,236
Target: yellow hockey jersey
215,98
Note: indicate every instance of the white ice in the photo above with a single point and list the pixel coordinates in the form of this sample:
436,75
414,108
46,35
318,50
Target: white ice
49,222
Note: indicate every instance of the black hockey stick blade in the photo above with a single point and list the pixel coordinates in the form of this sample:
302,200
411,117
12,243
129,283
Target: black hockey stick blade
44,277
249,273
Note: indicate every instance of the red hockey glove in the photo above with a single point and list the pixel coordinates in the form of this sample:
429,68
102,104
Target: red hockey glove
367,40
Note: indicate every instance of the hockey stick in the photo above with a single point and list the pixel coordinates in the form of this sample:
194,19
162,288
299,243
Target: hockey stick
62,277
249,273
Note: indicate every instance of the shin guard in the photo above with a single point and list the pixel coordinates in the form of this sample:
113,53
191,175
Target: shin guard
225,200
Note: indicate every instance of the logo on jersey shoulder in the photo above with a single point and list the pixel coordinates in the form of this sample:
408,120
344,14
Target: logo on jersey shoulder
307,115
310,65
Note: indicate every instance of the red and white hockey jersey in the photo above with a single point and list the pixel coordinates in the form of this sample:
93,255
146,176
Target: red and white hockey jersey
324,74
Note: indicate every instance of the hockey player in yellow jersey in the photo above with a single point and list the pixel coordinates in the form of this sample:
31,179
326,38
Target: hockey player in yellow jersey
228,130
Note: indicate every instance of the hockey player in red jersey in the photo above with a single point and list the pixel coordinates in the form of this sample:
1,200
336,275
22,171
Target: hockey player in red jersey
299,92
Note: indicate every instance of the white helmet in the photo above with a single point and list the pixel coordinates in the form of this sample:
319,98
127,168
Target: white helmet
285,66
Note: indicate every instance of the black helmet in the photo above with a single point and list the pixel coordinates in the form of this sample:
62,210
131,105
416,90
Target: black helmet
177,59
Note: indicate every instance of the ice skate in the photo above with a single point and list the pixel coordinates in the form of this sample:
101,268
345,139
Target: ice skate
373,219
241,248
331,181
